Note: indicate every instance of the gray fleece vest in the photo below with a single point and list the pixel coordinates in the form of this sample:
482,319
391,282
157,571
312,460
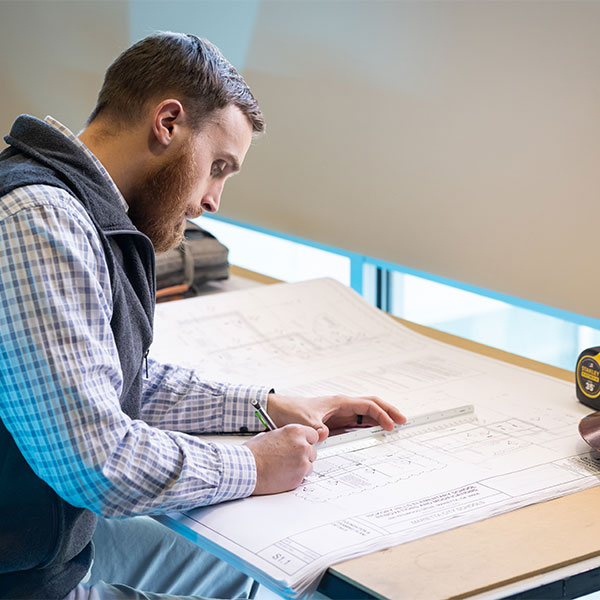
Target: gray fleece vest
45,543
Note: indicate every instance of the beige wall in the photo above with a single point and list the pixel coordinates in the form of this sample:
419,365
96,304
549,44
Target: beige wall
457,138
54,54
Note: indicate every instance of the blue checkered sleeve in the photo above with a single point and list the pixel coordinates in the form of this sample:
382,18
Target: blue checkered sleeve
60,379
176,398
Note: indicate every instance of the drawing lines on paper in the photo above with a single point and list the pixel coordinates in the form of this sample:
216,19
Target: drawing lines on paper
243,344
410,454
484,442
547,476
352,473
387,377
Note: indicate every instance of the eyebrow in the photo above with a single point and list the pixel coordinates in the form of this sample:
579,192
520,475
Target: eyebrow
235,163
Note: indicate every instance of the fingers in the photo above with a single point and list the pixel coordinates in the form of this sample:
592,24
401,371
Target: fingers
312,437
375,413
284,457
345,411
327,412
323,432
371,410
311,459
396,415
384,414
306,451
312,456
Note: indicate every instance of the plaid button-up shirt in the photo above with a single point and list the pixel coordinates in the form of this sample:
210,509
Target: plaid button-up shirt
60,377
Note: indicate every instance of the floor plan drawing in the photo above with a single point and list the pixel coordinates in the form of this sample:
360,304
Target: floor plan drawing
520,446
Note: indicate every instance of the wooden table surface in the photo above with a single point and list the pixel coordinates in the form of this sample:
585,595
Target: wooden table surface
489,554
486,555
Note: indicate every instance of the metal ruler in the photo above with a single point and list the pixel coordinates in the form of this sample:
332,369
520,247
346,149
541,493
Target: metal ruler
371,436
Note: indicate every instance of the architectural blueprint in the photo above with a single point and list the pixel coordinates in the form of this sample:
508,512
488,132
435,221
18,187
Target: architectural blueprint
520,446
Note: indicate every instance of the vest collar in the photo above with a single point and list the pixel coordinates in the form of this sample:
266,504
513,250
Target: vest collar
48,146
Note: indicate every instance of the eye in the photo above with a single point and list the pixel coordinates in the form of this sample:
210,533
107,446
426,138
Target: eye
218,168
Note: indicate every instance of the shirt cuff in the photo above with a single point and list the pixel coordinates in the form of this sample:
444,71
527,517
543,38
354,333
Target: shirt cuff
238,413
238,472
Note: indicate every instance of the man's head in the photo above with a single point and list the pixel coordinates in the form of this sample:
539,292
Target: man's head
174,65
173,120
190,179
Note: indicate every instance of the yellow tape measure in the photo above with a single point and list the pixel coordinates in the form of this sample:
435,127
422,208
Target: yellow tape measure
587,377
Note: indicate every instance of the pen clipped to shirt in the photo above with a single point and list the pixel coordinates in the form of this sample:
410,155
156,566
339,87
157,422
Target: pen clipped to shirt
263,415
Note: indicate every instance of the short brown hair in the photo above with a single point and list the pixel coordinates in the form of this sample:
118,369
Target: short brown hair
181,65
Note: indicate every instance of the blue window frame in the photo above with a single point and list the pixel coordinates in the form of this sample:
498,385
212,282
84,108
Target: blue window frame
519,326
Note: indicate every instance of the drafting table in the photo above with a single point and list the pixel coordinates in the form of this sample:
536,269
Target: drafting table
548,550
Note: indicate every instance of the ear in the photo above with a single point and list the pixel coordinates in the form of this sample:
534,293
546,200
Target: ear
167,119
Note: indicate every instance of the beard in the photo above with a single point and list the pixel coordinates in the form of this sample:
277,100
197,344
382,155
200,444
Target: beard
158,206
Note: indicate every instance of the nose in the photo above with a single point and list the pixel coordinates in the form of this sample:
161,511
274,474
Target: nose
212,198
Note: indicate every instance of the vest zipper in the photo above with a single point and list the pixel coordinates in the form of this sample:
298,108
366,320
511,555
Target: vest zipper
146,361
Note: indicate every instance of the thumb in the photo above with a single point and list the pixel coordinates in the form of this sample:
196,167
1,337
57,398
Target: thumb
323,431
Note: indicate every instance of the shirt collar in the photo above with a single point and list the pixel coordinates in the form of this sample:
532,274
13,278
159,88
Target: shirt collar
69,134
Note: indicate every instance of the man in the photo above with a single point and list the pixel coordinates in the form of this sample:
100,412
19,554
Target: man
93,433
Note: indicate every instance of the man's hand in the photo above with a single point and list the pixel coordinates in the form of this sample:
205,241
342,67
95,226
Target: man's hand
333,412
283,457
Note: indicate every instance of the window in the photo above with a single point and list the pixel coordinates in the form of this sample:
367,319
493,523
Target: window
550,338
